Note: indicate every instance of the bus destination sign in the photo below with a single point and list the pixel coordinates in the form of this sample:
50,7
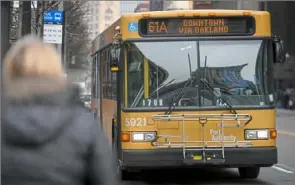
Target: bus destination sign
197,26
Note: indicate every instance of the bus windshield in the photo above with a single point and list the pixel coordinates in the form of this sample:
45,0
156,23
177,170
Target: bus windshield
161,73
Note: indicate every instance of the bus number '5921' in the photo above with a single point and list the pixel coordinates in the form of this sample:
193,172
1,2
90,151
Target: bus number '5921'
135,122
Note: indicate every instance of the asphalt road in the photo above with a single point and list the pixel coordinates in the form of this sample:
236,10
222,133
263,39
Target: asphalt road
281,174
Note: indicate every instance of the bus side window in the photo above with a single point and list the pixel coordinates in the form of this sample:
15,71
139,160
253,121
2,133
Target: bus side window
97,75
109,87
93,87
113,79
105,74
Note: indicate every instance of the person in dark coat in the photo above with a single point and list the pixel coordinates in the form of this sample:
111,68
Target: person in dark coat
47,138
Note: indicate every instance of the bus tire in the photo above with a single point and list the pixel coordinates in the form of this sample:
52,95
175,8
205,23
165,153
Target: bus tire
123,174
249,172
126,175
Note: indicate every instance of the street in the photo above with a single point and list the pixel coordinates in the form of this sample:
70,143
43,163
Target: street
281,174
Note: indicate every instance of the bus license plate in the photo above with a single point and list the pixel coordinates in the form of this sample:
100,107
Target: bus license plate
197,157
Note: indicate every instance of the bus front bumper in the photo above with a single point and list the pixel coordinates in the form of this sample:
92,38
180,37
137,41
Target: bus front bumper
234,157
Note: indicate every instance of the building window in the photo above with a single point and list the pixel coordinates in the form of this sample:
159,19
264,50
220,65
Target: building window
109,11
109,3
107,18
108,14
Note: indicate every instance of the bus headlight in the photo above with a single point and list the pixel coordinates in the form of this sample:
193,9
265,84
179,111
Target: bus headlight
143,136
256,134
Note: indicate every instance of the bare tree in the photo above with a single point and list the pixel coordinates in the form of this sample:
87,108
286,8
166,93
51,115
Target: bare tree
76,31
13,23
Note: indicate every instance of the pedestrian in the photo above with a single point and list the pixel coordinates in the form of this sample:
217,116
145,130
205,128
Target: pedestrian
286,98
47,138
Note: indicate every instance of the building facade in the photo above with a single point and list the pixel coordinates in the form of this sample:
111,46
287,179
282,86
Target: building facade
156,5
177,5
129,6
100,15
160,5
142,7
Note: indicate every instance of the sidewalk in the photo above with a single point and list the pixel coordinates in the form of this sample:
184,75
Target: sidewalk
284,112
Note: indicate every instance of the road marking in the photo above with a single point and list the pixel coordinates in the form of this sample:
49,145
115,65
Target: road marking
286,167
286,133
282,169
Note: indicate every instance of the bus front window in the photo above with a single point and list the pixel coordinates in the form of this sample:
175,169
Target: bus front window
135,75
237,69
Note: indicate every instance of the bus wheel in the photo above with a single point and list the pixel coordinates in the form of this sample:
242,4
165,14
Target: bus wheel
123,174
126,175
249,172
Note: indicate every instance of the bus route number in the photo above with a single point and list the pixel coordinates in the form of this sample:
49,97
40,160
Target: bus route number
135,122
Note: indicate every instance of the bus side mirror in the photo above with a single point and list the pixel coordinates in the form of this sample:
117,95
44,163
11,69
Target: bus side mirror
279,54
115,59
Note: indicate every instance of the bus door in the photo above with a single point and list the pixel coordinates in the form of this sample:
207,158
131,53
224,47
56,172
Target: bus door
96,86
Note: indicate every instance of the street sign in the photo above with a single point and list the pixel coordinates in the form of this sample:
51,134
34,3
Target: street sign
53,16
52,33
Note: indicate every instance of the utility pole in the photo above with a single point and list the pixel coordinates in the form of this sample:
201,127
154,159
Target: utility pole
40,6
20,19
263,6
239,4
65,56
5,27
26,19
60,46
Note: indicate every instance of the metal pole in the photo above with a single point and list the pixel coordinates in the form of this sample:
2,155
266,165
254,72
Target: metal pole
265,6
60,46
65,52
40,7
5,27
26,19
239,4
20,19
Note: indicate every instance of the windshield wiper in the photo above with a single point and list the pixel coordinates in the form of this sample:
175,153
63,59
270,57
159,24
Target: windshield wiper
191,79
172,104
211,89
164,85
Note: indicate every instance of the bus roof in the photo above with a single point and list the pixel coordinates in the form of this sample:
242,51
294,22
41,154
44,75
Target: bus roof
129,23
202,11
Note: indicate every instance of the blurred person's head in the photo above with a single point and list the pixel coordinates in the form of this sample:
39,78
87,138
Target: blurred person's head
30,58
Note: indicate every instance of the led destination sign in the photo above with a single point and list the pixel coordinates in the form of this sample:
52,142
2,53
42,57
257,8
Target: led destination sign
197,26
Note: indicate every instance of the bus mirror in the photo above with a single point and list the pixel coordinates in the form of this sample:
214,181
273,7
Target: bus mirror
279,53
115,56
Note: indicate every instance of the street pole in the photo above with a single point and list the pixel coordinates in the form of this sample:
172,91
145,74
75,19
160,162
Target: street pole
27,17
265,6
40,6
20,19
65,52
5,26
239,4
60,46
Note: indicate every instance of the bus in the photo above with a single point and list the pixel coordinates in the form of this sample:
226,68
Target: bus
188,89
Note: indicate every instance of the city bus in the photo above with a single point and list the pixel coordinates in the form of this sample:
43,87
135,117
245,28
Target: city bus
188,89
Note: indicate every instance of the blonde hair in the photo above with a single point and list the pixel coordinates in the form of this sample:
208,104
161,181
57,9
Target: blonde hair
30,57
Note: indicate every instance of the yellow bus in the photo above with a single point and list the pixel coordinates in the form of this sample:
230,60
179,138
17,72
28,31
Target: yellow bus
189,88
